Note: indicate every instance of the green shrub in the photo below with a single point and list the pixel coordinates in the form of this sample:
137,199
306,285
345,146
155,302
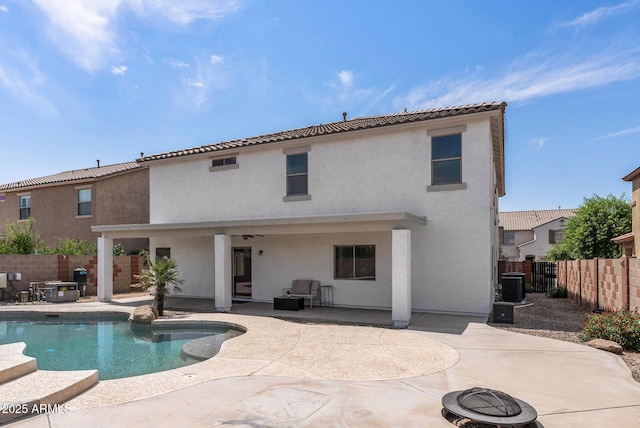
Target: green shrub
622,327
557,292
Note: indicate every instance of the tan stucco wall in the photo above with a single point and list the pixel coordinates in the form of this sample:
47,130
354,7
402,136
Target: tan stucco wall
635,201
116,199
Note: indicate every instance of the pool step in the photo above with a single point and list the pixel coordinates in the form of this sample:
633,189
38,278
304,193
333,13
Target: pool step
13,362
29,392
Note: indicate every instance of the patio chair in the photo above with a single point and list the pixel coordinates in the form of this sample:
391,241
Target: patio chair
305,288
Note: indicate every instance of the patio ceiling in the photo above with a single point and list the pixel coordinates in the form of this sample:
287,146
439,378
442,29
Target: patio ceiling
361,222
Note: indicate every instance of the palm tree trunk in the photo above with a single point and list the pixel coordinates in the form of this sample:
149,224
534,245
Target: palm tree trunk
160,303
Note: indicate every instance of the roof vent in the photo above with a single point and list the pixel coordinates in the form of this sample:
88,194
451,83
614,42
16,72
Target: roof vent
98,161
344,116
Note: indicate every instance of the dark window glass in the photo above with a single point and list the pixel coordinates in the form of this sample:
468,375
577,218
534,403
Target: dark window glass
84,202
446,159
25,207
355,262
163,252
445,172
224,161
297,177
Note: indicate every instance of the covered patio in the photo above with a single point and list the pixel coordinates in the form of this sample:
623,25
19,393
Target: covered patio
392,229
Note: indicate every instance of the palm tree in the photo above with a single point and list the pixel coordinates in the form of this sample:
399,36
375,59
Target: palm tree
161,275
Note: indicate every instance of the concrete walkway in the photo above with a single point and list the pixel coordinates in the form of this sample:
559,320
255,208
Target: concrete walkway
288,374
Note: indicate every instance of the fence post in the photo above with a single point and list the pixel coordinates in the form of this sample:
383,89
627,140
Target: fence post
624,274
580,281
597,281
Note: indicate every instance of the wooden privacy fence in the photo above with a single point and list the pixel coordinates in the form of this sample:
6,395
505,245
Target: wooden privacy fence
39,268
605,284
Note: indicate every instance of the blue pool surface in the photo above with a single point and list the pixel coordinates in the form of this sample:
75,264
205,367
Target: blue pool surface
115,348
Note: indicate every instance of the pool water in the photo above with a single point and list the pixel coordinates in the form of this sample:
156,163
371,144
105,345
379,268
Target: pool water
115,348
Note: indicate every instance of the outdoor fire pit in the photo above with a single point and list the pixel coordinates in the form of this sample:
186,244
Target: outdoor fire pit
486,407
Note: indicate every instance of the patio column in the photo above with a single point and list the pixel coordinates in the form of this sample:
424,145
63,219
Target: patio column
105,269
401,277
222,268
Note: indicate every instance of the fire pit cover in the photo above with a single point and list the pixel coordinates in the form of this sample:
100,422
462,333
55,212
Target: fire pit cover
489,406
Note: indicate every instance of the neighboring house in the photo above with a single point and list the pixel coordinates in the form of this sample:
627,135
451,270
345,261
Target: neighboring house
529,235
396,212
67,204
630,242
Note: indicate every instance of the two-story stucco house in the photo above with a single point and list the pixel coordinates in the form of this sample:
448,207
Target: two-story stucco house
67,204
529,235
630,242
396,212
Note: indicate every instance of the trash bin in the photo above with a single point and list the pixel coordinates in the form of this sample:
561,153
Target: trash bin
80,277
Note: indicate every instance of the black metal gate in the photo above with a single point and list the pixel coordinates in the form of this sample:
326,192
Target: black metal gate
543,276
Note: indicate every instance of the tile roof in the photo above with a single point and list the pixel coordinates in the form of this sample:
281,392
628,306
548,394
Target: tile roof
334,128
528,220
633,174
75,175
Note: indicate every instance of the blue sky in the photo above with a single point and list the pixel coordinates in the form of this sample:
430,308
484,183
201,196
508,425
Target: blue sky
82,80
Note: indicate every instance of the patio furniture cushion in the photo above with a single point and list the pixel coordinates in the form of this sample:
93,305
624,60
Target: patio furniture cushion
301,286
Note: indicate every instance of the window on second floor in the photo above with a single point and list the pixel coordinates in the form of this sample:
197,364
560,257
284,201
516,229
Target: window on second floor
297,174
555,236
224,163
446,159
25,207
84,202
509,238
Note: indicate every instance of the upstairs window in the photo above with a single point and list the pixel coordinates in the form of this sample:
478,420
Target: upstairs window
446,159
229,162
25,207
84,202
297,174
355,262
509,238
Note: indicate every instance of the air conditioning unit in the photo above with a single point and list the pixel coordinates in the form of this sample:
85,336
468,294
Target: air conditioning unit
512,289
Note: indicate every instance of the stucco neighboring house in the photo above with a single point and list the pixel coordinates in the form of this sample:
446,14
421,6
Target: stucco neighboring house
630,242
529,235
67,204
377,207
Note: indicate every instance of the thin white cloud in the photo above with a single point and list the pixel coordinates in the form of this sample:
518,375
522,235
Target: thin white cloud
346,78
179,64
539,142
86,30
200,81
601,13
119,70
215,59
185,12
531,77
4,8
82,29
21,76
630,131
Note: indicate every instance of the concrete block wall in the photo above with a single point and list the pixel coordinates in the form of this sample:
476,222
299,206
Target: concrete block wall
606,284
32,268
39,268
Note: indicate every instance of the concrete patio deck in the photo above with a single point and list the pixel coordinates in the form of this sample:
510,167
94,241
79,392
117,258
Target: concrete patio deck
285,374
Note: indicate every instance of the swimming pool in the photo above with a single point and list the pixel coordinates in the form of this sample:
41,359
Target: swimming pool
114,347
